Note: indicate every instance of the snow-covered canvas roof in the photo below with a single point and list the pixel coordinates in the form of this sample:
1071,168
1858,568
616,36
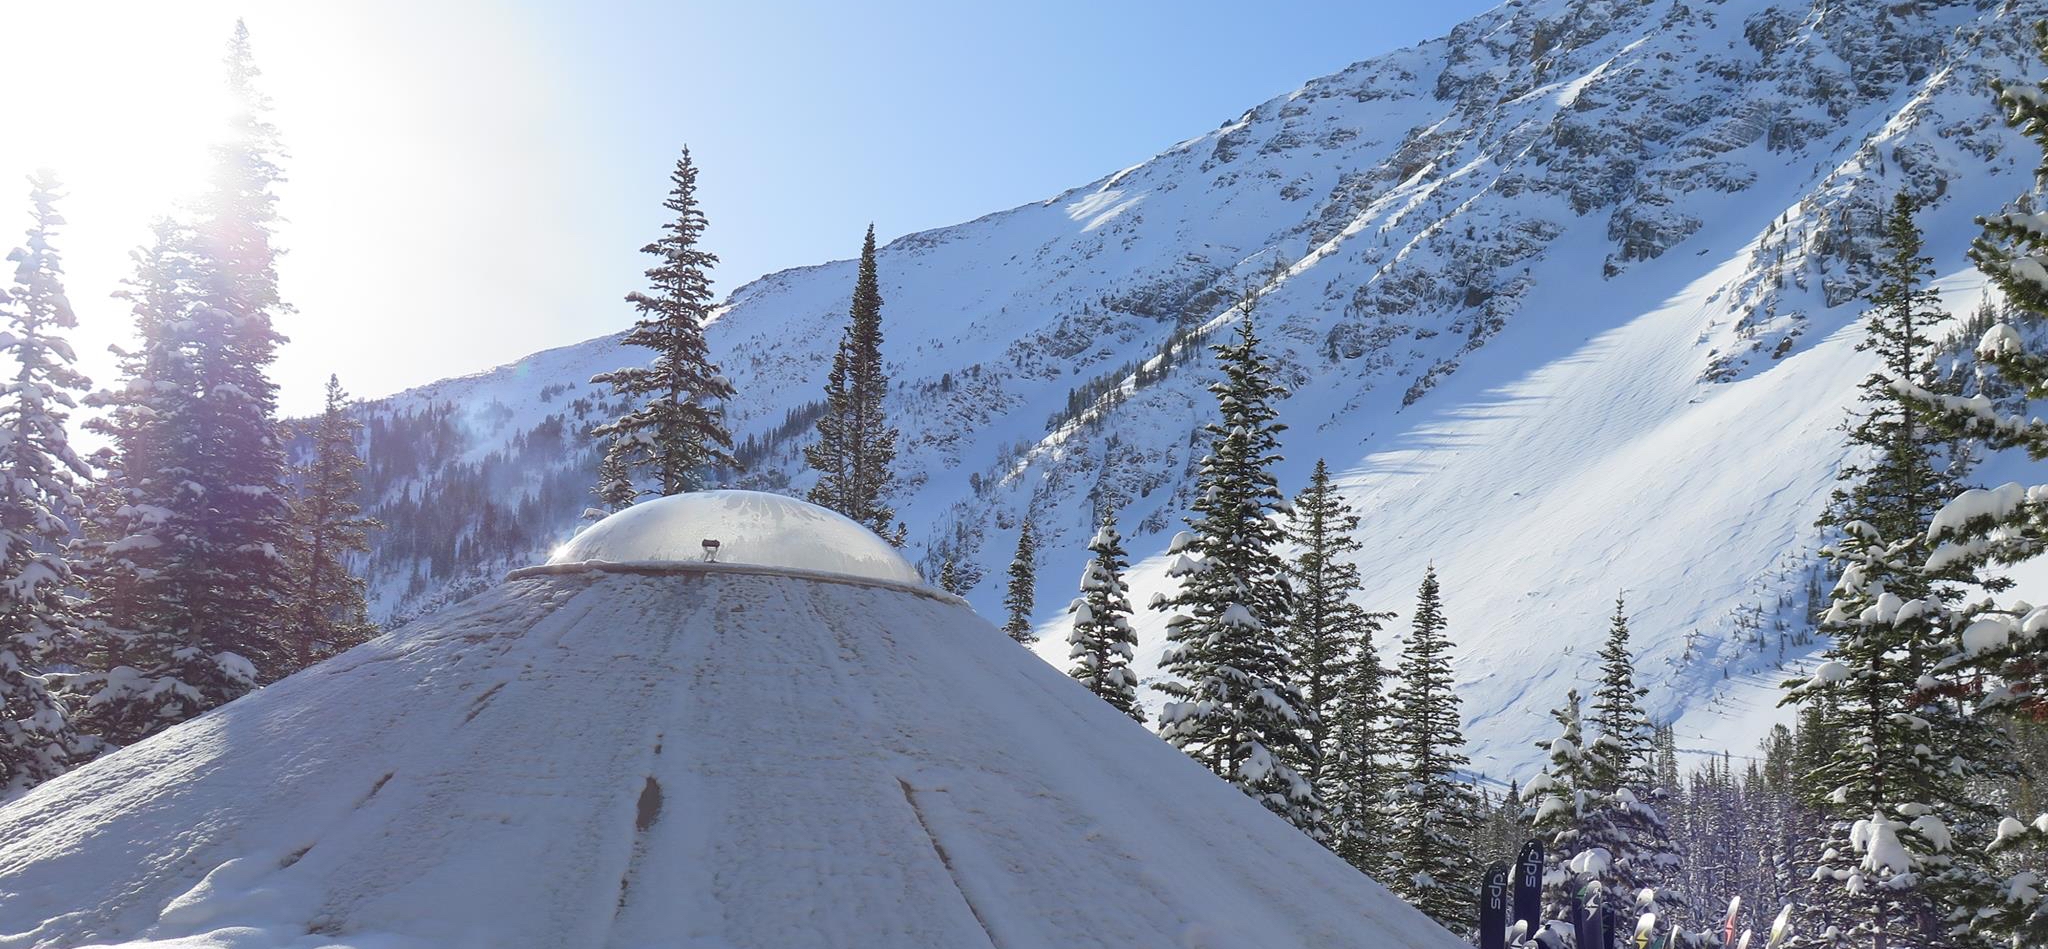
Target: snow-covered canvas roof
712,759
749,527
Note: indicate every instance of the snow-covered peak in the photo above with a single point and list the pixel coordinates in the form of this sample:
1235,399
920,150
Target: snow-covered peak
739,527
1567,300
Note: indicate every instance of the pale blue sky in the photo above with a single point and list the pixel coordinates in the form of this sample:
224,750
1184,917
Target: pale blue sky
470,179
812,118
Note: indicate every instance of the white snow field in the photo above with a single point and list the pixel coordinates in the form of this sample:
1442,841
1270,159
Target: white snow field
679,755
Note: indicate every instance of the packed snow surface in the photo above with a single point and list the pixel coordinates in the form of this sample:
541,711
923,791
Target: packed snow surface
703,759
750,527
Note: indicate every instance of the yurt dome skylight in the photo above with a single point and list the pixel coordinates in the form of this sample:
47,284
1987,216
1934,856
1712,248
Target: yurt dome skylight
739,527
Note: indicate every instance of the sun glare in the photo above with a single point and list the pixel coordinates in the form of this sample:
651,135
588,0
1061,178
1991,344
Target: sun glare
120,104
127,101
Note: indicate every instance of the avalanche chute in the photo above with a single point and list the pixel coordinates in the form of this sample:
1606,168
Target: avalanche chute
792,746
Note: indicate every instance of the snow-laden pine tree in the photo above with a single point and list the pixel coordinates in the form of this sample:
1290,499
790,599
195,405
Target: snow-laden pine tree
1894,790
614,490
1023,589
856,447
1568,812
193,556
325,612
229,568
672,427
138,672
1434,810
1994,651
39,474
1234,707
1102,643
1906,835
1337,668
1643,855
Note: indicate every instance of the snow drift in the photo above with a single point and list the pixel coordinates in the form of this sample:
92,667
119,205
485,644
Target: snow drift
680,755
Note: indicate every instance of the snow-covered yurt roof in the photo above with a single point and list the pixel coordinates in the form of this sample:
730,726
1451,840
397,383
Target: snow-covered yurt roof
596,755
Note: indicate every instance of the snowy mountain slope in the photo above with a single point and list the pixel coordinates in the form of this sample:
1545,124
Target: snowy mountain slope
701,759
1569,295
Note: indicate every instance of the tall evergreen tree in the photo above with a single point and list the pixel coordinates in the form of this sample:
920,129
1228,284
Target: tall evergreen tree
1235,708
1905,832
1359,779
134,666
856,446
199,557
1102,642
614,491
39,474
1994,662
1338,670
832,456
1326,628
671,427
1567,812
1618,715
1023,586
326,610
1644,857
1911,467
230,577
1435,809
1664,752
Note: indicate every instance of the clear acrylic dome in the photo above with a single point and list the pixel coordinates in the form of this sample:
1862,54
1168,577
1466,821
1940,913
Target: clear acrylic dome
749,527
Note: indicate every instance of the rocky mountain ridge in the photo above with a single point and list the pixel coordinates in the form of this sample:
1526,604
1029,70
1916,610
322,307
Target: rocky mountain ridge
1568,296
